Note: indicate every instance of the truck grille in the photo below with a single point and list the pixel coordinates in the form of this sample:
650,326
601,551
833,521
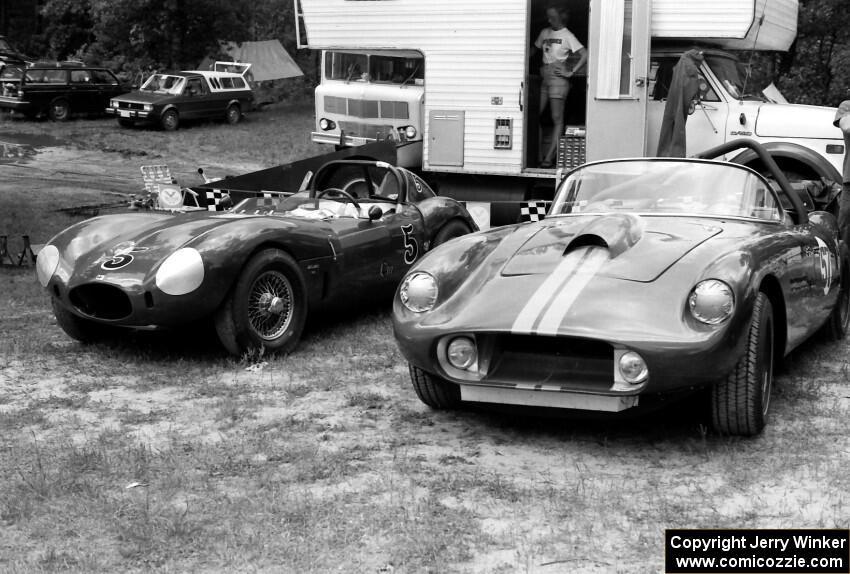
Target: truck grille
101,301
130,106
372,131
573,363
367,109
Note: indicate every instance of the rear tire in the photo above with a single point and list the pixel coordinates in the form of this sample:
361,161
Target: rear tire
435,392
739,405
170,121
267,306
82,330
233,114
59,110
452,229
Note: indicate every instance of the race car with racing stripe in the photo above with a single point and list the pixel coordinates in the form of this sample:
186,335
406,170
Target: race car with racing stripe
648,277
256,269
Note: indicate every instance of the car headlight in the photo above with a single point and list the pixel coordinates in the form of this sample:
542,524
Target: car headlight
148,107
113,104
711,302
418,292
326,124
633,368
46,264
182,272
462,353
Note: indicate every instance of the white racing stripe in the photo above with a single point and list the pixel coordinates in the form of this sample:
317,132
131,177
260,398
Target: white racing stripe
572,263
597,256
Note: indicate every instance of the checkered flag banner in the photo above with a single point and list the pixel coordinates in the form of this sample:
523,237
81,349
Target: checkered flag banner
214,197
533,210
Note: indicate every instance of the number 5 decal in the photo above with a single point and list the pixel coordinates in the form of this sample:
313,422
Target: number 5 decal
411,247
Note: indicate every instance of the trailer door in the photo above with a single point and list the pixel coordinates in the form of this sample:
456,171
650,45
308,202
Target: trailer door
619,64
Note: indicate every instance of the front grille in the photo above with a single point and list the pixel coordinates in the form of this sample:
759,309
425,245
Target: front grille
572,363
371,131
101,301
130,106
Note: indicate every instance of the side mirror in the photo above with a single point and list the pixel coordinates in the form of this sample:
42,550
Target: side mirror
375,212
692,107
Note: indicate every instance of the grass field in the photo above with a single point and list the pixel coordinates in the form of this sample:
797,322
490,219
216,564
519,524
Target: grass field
161,454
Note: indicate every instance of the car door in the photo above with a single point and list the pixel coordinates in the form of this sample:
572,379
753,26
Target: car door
194,100
367,255
83,91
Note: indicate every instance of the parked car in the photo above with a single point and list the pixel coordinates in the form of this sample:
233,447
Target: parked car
59,89
169,99
647,277
257,269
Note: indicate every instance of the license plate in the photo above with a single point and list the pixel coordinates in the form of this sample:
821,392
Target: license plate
124,113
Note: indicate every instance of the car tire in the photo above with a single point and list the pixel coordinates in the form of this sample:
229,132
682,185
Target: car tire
245,322
839,320
435,392
739,404
77,328
233,114
59,110
125,123
170,120
452,229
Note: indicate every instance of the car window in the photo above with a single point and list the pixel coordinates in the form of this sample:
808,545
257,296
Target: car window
238,83
661,76
194,87
46,76
80,77
668,187
164,84
226,83
104,77
11,73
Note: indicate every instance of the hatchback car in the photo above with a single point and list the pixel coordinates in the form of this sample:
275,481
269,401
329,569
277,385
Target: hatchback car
59,90
168,99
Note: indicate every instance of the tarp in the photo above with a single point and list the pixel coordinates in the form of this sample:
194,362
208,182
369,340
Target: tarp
268,58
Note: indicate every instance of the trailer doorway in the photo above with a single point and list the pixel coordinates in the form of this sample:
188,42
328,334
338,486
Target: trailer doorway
538,121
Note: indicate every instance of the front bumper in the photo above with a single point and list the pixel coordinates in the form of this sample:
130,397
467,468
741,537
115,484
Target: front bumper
129,114
14,104
346,140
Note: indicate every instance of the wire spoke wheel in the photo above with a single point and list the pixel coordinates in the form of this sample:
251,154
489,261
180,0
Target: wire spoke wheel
270,305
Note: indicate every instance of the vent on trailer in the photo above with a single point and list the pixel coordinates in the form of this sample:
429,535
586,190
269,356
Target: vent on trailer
504,134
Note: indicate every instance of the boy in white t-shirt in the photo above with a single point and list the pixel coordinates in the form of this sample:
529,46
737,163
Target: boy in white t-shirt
563,56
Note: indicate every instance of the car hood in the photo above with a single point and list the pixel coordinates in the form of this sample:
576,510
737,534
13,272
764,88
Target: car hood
640,248
138,97
796,121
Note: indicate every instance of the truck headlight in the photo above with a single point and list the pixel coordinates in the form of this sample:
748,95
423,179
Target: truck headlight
418,292
410,132
326,124
182,272
46,264
711,302
148,107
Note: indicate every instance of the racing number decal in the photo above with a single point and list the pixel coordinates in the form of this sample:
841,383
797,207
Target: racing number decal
411,246
121,258
826,267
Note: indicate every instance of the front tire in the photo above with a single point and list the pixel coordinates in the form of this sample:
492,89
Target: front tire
82,330
839,320
739,405
435,392
266,308
170,120
449,231
59,110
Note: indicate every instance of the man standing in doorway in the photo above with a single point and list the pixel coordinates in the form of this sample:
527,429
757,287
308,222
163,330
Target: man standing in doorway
563,56
842,120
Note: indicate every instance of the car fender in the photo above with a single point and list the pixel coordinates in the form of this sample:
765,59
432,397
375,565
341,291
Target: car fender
783,152
437,211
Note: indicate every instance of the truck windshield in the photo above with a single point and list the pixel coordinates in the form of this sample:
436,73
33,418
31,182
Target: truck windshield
374,68
163,84
733,75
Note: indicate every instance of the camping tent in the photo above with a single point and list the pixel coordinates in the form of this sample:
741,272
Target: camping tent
268,59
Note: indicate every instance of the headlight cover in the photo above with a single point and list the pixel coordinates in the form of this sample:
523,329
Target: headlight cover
418,292
46,264
633,368
181,273
462,353
148,107
711,302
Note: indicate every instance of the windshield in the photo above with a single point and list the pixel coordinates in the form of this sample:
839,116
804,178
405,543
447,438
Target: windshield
667,187
733,75
163,84
11,73
374,68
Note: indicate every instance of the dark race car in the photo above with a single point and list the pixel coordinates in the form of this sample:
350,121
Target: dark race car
255,269
648,276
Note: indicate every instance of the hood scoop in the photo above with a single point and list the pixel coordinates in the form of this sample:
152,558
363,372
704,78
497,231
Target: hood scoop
639,249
